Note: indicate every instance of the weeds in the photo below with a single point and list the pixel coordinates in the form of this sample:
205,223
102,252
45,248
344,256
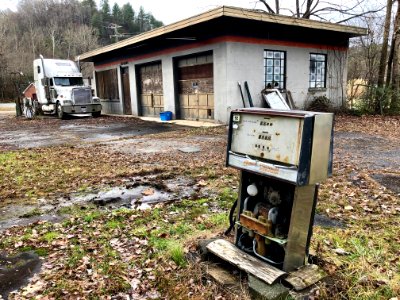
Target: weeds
177,254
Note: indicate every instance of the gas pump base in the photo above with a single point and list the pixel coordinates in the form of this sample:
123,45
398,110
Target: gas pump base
260,290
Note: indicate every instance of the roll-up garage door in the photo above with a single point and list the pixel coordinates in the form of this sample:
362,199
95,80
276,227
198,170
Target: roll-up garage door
196,87
151,98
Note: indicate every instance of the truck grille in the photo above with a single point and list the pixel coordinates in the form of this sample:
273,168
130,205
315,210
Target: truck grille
82,96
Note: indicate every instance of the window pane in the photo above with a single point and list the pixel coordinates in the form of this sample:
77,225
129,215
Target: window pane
274,62
317,70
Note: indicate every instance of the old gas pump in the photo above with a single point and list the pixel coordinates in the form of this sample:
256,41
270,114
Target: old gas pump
282,156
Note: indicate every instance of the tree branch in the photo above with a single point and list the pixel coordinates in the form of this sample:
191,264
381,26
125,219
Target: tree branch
270,10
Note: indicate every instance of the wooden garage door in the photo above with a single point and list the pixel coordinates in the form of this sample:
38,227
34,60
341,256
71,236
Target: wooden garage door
151,96
196,87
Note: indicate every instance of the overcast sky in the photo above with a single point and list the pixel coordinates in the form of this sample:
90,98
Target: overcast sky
169,11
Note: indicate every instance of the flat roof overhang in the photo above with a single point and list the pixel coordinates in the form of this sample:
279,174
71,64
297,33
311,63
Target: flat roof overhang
219,22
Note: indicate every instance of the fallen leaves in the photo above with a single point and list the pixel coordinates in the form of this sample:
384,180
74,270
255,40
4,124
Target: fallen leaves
123,254
148,192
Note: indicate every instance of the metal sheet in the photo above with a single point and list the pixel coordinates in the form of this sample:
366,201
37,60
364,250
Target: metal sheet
299,230
263,168
321,148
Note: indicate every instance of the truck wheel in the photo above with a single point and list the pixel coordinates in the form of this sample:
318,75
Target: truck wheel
96,114
37,108
60,114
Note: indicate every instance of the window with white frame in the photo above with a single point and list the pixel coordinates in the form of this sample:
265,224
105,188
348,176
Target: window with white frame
317,70
275,69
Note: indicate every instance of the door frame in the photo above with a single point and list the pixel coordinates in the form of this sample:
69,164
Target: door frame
123,87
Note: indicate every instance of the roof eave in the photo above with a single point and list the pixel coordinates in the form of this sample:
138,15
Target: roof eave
228,11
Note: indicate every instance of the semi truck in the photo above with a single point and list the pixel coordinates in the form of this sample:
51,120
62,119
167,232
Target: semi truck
60,89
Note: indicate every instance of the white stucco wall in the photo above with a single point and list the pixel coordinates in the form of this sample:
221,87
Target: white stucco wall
245,62
238,62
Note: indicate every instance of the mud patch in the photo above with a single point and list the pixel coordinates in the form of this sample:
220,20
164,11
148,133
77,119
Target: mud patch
326,222
141,190
390,181
15,271
137,193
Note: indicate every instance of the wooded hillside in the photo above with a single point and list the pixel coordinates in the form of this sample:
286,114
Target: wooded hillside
61,29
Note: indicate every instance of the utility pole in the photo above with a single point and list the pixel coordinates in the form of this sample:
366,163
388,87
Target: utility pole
116,34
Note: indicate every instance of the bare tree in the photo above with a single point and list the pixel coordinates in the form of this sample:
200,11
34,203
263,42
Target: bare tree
320,9
385,42
396,62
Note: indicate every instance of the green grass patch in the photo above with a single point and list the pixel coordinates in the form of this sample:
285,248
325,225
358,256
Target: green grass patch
50,236
114,224
75,256
41,252
177,253
91,216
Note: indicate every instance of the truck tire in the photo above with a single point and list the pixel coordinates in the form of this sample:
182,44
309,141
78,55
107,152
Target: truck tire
96,114
60,114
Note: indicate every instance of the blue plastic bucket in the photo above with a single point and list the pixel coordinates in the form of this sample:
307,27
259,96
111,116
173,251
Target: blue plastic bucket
166,116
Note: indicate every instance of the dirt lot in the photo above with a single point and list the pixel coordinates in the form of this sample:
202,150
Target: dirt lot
126,199
49,131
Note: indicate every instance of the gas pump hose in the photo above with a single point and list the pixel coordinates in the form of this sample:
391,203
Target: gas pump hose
232,219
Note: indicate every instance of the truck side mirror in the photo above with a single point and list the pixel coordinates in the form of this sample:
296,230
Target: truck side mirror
38,69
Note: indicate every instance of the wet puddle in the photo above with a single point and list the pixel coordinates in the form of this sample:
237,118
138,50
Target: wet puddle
16,270
137,193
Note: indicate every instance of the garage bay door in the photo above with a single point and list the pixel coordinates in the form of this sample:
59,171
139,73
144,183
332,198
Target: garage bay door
151,98
196,87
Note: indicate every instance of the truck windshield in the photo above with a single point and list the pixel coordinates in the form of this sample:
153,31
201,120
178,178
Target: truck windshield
68,81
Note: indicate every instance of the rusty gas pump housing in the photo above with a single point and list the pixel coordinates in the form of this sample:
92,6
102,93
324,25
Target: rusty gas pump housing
282,155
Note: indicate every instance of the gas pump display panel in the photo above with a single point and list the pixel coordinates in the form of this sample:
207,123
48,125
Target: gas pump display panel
294,146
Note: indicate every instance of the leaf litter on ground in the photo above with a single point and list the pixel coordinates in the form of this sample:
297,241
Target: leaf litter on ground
102,253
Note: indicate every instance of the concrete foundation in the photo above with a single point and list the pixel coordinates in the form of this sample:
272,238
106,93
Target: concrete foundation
260,290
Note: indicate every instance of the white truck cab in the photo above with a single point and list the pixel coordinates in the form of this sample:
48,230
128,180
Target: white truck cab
60,89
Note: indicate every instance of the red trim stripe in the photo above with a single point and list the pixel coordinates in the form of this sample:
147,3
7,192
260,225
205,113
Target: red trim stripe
227,38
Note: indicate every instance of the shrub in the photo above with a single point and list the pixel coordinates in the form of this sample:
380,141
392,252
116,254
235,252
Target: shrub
320,103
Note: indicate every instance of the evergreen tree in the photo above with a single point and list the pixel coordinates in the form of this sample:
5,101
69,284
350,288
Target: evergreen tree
116,14
105,11
128,18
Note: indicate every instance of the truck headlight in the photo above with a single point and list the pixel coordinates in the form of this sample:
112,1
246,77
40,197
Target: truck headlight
68,102
96,99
